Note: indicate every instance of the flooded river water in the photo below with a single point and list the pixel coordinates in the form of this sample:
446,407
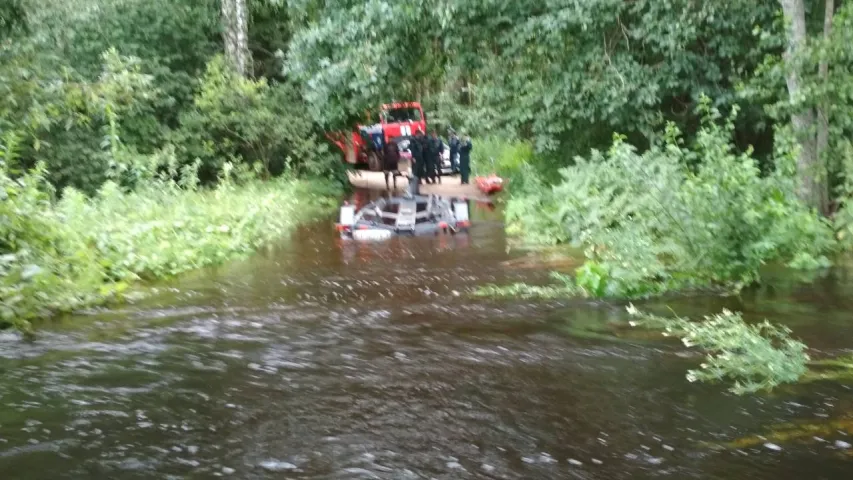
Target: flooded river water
323,360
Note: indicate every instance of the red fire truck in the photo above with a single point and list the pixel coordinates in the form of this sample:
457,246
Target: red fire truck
398,122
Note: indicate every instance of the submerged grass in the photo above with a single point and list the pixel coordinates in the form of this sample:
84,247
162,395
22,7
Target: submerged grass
59,256
806,432
754,357
563,287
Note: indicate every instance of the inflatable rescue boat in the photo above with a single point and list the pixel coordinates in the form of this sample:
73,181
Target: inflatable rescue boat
491,184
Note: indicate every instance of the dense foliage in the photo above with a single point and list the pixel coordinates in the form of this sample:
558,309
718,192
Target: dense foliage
565,73
673,217
96,83
121,131
235,118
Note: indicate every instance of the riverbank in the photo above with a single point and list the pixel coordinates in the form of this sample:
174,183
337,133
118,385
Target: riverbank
684,215
80,252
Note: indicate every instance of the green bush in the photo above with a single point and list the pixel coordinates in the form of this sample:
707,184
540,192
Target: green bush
249,121
44,264
57,257
843,218
66,121
673,218
174,39
89,131
531,211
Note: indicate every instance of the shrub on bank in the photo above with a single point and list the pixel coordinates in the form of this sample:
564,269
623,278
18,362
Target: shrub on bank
673,218
80,251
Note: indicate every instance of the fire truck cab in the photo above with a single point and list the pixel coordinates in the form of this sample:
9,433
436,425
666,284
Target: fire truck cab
398,122
402,120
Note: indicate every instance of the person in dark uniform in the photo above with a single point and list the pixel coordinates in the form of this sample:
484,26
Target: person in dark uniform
465,148
416,146
433,156
429,151
453,143
440,150
428,157
391,162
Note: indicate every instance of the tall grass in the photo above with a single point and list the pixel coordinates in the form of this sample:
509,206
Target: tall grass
58,256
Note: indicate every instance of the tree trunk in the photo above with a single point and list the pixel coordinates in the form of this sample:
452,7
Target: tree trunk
235,33
809,172
822,114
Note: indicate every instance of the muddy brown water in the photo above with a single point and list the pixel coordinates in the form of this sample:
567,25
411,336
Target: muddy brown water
319,359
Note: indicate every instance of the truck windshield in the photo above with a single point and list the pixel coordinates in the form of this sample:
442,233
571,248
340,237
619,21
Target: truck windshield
397,115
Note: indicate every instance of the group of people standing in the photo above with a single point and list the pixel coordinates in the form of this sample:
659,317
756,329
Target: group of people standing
426,156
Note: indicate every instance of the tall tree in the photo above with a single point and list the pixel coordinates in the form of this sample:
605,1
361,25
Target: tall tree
235,22
822,115
812,187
